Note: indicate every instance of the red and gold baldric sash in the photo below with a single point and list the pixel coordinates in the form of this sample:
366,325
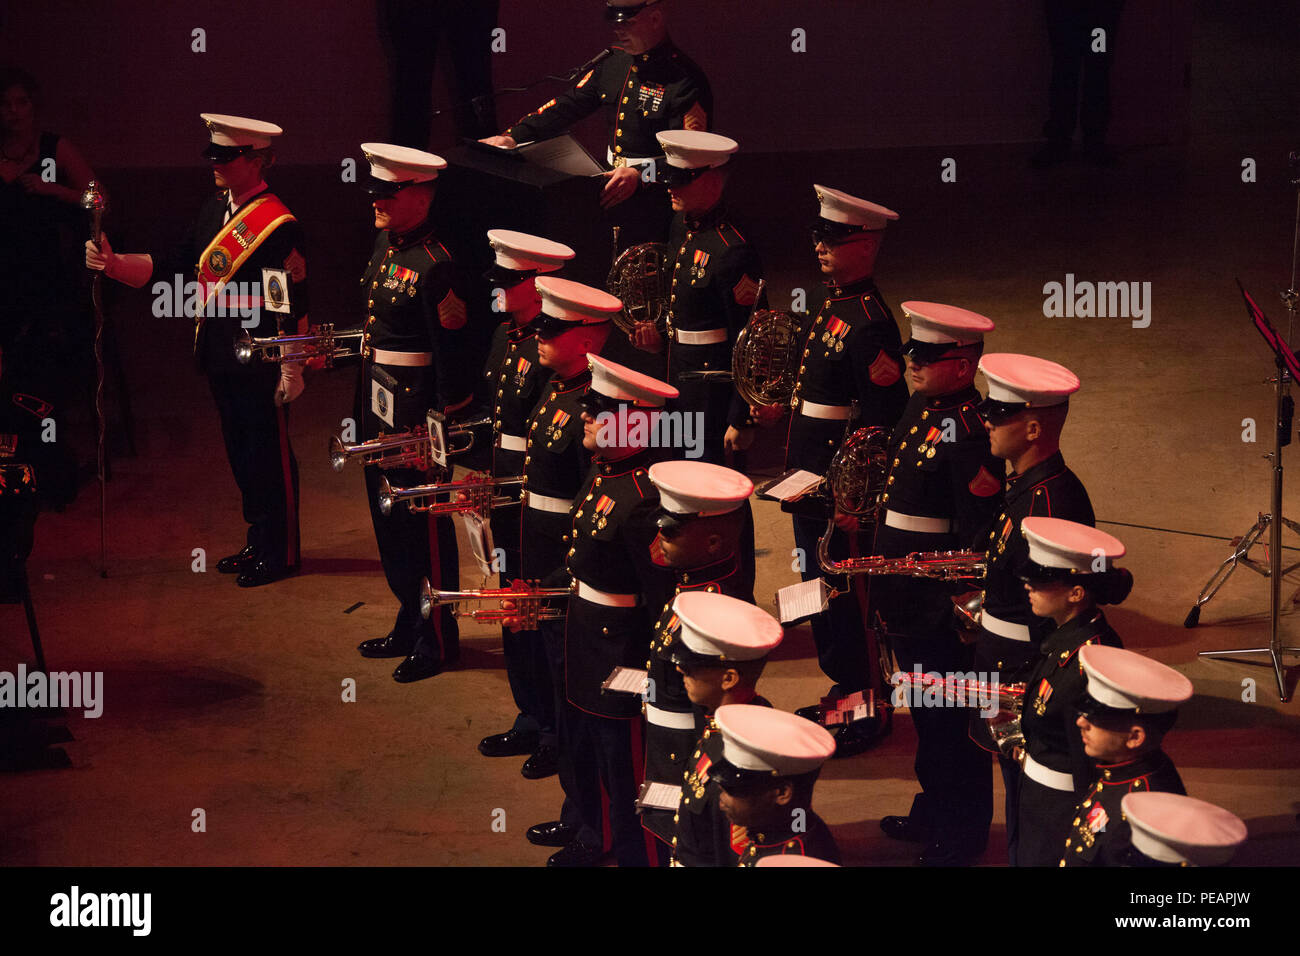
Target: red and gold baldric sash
237,240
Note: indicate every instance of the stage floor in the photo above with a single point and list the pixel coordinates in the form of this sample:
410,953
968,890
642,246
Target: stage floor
230,700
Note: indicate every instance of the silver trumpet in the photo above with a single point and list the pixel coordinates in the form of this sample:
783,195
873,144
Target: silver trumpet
321,341
473,494
521,603
407,449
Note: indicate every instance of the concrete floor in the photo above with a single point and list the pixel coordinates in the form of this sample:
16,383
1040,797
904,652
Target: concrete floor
230,701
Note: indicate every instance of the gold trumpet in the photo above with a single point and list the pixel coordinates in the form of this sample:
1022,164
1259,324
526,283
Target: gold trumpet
478,495
935,565
522,604
321,341
410,448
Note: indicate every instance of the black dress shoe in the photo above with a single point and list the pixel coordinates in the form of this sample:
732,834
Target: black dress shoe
417,667
861,735
576,854
905,828
812,712
258,572
512,743
234,563
391,645
553,833
545,762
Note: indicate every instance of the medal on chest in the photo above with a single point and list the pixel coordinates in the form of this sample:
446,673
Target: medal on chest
601,512
833,337
698,778
650,98
699,264
400,279
1094,823
556,429
522,368
1044,693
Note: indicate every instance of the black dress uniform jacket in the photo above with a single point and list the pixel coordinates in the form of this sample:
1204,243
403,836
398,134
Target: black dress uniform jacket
555,466
644,94
214,346
666,747
852,352
1048,489
714,285
700,833
515,381
613,524
1099,835
815,840
418,300
940,468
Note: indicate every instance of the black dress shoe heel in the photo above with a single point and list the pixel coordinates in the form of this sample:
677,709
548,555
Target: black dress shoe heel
391,645
417,667
576,854
258,573
904,828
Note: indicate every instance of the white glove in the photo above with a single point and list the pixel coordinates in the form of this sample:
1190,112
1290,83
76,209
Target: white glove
291,383
99,257
133,269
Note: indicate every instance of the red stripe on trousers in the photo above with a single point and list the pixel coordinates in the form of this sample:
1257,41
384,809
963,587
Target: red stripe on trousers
291,556
435,578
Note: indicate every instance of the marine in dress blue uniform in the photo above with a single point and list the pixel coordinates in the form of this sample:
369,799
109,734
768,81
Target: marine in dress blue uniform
516,381
240,233
769,766
419,306
720,650
1131,703
1024,413
1071,571
942,489
852,356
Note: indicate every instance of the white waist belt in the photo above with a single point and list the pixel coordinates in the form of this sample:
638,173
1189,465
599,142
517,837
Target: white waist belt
835,413
512,442
913,523
707,337
408,359
1048,777
672,719
630,160
547,503
595,596
1012,632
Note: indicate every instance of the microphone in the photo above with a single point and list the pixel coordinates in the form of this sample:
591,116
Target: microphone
602,55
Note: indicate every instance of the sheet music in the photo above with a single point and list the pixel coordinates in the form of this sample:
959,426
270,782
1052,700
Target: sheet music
798,601
658,796
627,680
563,154
791,485
480,540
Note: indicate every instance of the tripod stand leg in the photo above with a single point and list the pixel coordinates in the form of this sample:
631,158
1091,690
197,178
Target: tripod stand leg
1224,571
30,611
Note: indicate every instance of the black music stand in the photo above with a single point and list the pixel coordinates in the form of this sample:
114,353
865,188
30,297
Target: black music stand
1288,368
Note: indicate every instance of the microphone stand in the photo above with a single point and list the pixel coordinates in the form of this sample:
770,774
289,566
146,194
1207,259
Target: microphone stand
93,200
1273,521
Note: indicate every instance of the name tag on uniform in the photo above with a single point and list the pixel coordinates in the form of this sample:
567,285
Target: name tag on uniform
275,290
381,395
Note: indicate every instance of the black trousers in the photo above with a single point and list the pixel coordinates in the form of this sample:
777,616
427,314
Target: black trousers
1070,24
956,800
605,754
839,631
552,635
414,546
256,434
411,31
1043,822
